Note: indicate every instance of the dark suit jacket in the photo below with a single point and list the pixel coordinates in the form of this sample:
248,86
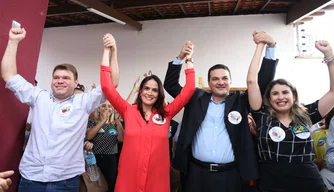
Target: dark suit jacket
194,114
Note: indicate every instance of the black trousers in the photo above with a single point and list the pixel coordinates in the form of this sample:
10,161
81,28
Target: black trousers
108,165
290,177
199,179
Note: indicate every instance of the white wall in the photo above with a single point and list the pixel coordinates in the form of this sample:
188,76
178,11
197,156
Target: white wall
226,40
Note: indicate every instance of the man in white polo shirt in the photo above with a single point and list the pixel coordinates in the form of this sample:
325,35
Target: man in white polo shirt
53,158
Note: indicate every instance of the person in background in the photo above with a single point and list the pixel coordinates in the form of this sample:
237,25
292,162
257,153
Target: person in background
79,89
144,162
105,131
134,91
283,128
319,135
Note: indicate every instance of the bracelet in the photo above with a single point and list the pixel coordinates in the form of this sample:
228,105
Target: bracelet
329,60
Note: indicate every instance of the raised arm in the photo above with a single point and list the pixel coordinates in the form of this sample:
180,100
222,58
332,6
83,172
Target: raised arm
269,62
8,64
254,92
133,92
113,60
188,90
107,85
119,127
171,83
326,103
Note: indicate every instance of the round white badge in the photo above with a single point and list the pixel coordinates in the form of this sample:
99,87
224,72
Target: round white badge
157,119
234,117
66,110
277,134
101,131
301,132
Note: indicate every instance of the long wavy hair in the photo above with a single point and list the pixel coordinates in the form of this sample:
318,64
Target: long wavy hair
298,112
159,103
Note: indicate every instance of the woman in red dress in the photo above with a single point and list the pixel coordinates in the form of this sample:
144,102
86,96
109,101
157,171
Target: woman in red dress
144,164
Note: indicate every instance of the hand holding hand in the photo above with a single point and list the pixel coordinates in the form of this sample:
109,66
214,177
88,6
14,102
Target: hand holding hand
17,34
325,48
186,51
261,37
109,42
4,181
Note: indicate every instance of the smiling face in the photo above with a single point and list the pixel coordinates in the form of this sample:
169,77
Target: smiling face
149,93
63,84
219,83
281,98
105,107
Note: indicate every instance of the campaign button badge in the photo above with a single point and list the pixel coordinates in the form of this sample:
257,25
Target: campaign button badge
65,110
157,119
113,131
301,132
234,117
277,134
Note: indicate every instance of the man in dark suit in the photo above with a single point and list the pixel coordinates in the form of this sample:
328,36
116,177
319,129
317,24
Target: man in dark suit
215,149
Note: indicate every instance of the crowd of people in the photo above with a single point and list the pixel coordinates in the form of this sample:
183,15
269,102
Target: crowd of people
262,140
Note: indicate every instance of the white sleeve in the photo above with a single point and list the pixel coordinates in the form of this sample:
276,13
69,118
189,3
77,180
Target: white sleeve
23,90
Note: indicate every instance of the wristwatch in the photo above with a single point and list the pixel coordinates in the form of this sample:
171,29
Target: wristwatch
190,60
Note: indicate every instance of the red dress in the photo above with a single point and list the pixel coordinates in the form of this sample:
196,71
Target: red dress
144,164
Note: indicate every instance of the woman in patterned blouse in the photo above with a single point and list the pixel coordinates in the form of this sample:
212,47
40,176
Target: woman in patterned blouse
105,130
284,140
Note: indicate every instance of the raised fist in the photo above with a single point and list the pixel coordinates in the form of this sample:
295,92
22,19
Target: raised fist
17,34
263,37
325,48
186,51
109,41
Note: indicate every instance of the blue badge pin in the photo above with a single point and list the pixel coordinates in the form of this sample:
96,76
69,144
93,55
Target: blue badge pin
301,132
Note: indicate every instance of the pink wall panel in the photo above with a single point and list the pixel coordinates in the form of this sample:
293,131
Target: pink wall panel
31,15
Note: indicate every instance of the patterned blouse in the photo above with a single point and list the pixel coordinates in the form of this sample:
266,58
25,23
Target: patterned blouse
277,143
105,142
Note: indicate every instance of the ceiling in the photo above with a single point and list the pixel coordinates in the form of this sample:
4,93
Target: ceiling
74,12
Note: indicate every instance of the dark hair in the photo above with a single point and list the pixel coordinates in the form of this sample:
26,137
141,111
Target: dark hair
159,104
299,113
328,118
68,67
219,66
35,82
80,87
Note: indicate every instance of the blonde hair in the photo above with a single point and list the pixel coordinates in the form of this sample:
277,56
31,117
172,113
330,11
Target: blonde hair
111,119
299,113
